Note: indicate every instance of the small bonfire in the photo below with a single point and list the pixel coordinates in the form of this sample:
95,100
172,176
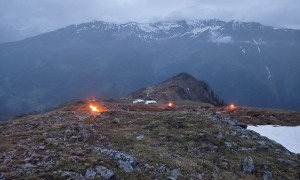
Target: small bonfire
95,107
232,107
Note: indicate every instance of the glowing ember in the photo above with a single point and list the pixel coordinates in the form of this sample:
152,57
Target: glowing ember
94,108
170,105
232,107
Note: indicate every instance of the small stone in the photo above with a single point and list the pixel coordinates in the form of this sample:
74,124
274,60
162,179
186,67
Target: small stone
28,167
104,172
66,174
126,161
248,166
162,169
147,166
140,138
116,121
2,176
284,161
175,173
267,174
41,147
247,149
228,144
242,125
220,135
90,173
196,176
70,175
125,165
262,143
171,178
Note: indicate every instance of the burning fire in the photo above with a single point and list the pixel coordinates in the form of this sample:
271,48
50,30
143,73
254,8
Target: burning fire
232,107
96,108
93,108
170,104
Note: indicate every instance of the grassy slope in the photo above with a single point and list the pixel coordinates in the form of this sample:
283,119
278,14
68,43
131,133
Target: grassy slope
187,139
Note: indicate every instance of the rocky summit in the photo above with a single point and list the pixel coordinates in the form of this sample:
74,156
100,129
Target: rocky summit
178,88
141,141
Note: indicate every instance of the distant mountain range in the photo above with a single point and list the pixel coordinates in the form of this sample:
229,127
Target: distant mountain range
246,63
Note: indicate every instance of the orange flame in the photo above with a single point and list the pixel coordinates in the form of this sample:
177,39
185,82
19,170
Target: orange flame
93,108
97,108
170,104
232,107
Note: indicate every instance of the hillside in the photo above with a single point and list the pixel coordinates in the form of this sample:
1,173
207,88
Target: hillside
246,63
179,88
130,141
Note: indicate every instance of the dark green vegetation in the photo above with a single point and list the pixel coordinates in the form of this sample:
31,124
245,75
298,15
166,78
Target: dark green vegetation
103,59
151,142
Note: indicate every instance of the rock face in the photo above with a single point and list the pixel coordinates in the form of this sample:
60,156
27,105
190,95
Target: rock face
180,87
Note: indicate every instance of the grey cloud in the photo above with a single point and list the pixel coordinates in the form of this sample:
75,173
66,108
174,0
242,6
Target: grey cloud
51,14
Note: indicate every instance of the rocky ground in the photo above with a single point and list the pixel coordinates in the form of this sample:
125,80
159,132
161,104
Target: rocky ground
138,141
257,116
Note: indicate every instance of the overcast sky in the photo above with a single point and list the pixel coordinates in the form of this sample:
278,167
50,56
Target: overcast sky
52,14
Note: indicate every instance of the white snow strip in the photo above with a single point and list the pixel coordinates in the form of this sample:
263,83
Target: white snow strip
219,38
258,49
150,102
188,88
138,101
284,135
270,75
147,27
168,25
255,42
243,49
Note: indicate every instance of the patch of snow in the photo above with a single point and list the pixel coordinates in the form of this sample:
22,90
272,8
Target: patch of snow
147,27
138,101
197,27
81,29
284,135
198,30
258,49
259,41
270,75
168,25
188,88
255,42
243,49
219,38
150,102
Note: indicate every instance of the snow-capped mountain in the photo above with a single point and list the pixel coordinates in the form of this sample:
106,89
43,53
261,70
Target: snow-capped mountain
154,31
247,63
168,30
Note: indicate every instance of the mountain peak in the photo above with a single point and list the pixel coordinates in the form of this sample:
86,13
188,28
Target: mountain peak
182,76
183,86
